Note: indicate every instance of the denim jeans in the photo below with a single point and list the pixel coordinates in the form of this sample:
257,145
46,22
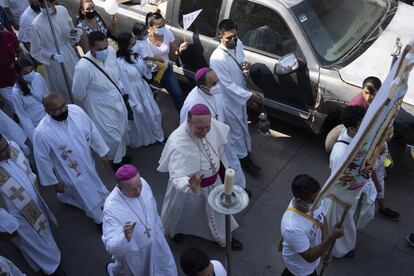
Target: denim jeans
169,81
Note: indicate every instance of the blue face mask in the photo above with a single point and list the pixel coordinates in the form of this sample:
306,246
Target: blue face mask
29,77
160,31
102,55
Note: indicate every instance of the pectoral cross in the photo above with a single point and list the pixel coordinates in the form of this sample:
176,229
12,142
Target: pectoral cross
147,231
42,225
17,193
212,167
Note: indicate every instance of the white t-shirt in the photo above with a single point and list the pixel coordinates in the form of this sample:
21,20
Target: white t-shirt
219,269
300,234
164,50
16,7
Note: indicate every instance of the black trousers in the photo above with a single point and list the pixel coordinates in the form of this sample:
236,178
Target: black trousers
286,272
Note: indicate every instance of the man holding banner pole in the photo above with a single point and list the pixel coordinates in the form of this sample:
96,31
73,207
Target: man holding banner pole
305,233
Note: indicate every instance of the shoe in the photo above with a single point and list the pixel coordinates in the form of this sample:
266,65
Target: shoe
249,193
410,239
236,245
59,272
250,167
390,214
350,254
178,238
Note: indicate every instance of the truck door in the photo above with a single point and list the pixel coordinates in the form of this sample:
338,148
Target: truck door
267,38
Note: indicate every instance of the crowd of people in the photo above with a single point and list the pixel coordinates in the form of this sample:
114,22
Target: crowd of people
95,91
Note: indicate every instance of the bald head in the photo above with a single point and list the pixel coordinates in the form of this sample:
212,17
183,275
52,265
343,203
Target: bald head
55,106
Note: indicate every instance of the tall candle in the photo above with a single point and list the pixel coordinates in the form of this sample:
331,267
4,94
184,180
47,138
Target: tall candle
229,181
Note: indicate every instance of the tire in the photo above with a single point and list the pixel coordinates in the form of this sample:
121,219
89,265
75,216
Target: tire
332,137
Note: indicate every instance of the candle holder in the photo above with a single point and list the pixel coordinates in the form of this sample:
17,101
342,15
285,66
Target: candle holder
228,205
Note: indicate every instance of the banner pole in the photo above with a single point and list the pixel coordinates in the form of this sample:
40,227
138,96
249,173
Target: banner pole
341,223
62,66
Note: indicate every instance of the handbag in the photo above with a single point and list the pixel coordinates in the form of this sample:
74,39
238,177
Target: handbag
124,97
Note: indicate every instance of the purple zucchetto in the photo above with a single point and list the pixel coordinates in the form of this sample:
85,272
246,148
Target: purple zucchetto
126,172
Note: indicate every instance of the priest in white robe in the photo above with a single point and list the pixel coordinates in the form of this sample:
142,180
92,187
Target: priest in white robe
145,128
43,48
13,132
132,229
344,246
208,92
62,145
25,23
228,62
102,100
195,160
25,216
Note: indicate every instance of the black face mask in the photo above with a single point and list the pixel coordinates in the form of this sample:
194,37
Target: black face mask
63,116
36,8
90,14
231,44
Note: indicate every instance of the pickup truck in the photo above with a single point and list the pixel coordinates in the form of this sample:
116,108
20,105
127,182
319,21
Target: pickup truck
319,51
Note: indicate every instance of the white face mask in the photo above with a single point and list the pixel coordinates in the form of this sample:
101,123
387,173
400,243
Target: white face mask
215,89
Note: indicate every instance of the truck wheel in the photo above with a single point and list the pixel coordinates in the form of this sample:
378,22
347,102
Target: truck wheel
332,137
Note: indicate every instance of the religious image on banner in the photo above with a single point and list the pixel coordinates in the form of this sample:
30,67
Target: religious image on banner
347,180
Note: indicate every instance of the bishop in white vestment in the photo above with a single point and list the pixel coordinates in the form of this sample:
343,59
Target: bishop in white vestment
62,148
24,213
132,229
194,157
208,92
43,48
101,99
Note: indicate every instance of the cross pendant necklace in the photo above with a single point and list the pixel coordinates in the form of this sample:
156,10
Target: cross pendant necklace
210,159
147,230
215,105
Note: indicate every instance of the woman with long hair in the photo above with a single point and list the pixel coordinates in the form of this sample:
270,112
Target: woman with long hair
145,128
27,95
90,20
162,43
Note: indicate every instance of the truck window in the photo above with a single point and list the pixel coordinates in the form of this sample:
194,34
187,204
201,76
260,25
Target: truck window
207,21
262,29
152,6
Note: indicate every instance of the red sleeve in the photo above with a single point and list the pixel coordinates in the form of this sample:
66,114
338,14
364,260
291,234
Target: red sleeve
11,37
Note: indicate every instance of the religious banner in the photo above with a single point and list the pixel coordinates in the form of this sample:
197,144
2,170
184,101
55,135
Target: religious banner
189,18
347,180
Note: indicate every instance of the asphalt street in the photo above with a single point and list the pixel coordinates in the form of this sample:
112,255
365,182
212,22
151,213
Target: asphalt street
381,246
